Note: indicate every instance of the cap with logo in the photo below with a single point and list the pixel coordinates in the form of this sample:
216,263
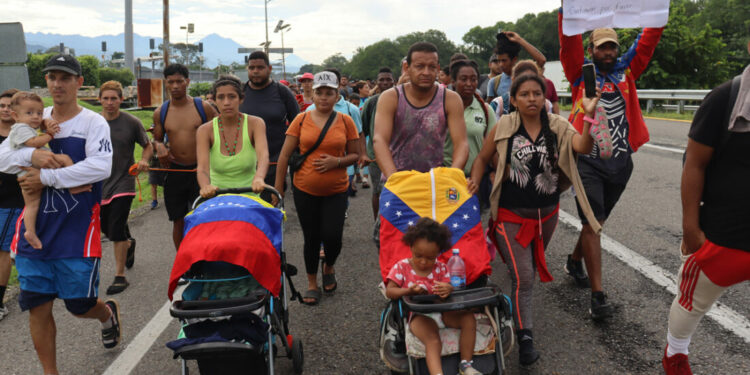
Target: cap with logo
325,79
603,35
307,75
65,63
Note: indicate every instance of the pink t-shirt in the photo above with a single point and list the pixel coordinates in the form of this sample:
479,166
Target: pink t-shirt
404,275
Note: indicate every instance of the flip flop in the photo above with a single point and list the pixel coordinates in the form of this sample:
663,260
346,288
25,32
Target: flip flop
329,280
119,285
314,295
601,134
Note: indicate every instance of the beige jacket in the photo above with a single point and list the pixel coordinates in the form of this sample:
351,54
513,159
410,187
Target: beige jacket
509,125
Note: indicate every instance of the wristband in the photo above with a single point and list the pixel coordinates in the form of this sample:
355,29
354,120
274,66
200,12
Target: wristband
590,120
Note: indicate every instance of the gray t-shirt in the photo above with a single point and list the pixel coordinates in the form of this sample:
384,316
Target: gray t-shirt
125,131
19,134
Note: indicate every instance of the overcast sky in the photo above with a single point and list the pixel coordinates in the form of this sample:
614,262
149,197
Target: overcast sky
318,28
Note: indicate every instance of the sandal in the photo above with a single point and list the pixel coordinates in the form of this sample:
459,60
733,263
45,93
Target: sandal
311,294
601,134
119,285
329,280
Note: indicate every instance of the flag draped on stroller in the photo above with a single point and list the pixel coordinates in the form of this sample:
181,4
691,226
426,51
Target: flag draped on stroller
237,229
442,195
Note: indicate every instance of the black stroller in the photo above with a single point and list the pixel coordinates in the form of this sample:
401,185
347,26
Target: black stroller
233,310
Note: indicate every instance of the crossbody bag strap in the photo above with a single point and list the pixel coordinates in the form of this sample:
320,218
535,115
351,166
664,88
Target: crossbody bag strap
322,134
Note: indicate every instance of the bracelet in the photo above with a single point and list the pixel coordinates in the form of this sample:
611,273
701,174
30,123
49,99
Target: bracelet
339,162
590,120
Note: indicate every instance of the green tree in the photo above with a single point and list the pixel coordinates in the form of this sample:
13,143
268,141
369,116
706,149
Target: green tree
310,68
445,47
123,75
199,88
118,55
689,56
90,70
368,60
35,63
337,61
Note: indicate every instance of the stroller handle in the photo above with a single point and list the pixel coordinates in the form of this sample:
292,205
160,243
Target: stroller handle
248,189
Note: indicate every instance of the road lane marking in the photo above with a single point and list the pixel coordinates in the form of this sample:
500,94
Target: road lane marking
668,119
665,148
722,314
136,349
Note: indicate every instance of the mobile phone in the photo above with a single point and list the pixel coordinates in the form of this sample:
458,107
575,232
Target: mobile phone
589,80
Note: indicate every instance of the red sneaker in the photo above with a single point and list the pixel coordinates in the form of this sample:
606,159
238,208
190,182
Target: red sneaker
676,364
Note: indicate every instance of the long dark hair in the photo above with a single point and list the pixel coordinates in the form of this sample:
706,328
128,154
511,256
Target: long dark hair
550,139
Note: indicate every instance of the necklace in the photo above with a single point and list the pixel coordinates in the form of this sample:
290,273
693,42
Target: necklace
233,151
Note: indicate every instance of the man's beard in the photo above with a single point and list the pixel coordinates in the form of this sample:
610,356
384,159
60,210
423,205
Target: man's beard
263,82
605,66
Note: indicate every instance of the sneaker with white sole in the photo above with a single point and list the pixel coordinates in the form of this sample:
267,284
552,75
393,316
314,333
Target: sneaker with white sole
3,312
111,336
466,368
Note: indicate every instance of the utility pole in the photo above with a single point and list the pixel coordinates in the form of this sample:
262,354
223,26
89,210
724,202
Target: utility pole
265,6
165,38
129,34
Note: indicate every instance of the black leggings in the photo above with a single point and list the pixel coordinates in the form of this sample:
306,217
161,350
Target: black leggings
322,220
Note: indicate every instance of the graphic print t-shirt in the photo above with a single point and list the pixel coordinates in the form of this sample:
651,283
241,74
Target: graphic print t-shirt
614,105
532,180
404,275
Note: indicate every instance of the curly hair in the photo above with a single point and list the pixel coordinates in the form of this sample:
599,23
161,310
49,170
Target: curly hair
430,230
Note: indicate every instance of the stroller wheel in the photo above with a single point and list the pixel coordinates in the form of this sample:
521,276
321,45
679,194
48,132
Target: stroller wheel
298,357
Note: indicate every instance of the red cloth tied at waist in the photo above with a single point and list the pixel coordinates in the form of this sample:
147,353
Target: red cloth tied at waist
531,230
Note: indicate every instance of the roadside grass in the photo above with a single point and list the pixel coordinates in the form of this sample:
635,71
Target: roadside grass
658,114
145,187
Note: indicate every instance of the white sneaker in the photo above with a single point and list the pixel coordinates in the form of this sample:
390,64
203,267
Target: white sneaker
3,312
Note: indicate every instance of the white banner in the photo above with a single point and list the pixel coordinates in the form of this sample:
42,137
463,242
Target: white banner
585,15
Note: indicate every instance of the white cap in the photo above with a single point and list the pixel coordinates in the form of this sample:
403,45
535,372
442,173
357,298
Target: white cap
327,79
455,251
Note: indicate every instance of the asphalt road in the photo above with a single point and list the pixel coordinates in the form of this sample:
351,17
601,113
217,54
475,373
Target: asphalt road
340,335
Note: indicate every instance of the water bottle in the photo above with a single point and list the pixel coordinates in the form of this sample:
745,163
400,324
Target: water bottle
457,271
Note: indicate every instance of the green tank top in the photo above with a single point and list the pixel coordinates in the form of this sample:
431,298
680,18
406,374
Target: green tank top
232,171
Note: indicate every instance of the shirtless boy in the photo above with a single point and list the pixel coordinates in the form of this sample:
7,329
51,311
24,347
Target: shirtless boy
180,125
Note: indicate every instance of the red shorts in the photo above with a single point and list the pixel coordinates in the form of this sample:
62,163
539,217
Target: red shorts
722,265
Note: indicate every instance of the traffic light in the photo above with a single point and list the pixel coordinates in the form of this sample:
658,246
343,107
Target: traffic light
104,46
191,28
200,47
151,43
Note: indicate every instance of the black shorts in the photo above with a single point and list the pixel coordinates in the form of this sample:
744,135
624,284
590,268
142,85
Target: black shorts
156,178
603,189
180,191
114,218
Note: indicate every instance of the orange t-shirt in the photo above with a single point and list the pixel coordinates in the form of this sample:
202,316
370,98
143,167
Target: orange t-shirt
307,178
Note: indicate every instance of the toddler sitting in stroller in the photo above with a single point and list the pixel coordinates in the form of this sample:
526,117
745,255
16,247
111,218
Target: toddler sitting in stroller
424,274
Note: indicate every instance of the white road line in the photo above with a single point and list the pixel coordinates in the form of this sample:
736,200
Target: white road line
136,349
722,314
664,148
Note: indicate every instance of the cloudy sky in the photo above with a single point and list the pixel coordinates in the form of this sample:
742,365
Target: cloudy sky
319,28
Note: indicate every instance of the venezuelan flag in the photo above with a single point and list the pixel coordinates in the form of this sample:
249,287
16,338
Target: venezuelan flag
238,229
440,194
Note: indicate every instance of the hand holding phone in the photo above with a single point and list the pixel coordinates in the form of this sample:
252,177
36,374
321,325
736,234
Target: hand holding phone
589,80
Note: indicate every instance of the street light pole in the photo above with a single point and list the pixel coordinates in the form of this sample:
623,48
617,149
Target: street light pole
281,27
165,38
265,6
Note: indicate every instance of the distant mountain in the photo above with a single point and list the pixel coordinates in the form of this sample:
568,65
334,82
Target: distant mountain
216,48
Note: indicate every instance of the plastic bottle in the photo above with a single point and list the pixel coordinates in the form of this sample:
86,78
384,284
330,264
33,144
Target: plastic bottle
457,271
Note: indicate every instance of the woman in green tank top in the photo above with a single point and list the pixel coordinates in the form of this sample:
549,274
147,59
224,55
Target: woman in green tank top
232,149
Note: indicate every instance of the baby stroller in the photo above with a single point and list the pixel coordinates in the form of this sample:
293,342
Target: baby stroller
442,195
234,309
